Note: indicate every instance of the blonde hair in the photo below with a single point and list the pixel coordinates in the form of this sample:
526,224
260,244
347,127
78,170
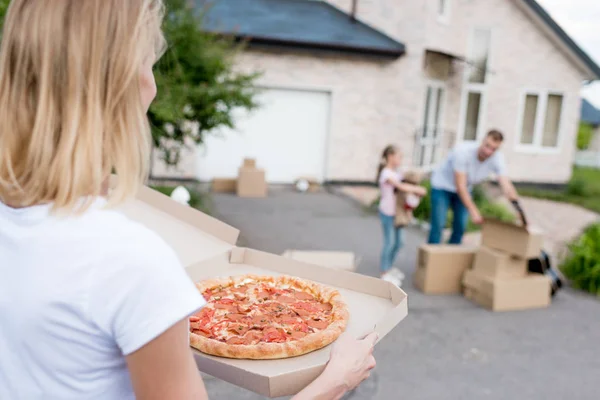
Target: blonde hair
70,106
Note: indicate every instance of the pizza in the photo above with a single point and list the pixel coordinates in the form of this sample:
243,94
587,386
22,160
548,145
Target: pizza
265,317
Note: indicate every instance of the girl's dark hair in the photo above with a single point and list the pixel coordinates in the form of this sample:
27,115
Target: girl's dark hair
387,152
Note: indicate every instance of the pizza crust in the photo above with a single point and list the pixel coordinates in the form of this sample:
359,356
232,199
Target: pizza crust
264,351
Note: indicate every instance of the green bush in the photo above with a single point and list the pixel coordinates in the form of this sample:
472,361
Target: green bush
576,187
584,136
582,265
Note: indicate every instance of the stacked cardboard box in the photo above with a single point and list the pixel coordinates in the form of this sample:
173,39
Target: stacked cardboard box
500,280
440,268
251,180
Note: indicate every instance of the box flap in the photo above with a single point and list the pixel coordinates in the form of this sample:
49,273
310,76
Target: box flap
448,248
339,259
194,236
511,225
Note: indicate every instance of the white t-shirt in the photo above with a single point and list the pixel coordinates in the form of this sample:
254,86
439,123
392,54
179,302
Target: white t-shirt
463,158
387,203
77,294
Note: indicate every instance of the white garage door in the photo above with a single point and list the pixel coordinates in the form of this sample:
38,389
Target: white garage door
287,136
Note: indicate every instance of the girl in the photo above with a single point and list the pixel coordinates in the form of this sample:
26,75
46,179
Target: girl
389,179
93,305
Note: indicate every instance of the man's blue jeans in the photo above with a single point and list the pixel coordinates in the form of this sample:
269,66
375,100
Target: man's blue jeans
441,202
392,241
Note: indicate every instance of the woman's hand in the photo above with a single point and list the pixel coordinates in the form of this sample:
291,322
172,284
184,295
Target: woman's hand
353,359
350,363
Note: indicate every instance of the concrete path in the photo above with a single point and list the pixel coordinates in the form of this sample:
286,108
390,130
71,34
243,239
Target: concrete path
447,348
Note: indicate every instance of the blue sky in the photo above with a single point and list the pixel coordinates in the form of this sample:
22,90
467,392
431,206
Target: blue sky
581,20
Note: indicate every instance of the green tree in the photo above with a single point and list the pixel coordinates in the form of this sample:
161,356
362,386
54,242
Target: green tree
199,89
584,136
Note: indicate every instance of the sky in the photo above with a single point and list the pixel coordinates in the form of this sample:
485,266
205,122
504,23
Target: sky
581,20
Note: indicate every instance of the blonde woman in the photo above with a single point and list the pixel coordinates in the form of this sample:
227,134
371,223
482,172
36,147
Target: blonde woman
93,305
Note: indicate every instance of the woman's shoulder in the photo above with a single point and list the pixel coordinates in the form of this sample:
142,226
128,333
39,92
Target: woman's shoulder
122,236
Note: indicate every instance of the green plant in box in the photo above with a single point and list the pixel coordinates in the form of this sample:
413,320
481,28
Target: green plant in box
582,265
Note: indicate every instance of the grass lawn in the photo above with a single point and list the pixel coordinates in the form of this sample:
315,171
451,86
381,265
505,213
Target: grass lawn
197,200
583,190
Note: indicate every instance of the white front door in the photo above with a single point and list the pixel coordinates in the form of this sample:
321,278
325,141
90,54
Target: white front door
287,136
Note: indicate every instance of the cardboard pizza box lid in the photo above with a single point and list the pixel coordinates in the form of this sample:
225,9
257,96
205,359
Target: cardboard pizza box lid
194,236
206,247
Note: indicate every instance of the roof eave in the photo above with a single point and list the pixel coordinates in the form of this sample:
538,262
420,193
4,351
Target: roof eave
320,46
584,59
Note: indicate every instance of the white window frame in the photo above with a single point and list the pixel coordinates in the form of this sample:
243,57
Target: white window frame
540,118
469,87
434,84
444,17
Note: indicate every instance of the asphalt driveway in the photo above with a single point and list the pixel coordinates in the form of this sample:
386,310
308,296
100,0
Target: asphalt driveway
447,348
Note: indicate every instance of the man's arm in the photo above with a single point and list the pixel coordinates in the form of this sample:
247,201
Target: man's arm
460,179
508,188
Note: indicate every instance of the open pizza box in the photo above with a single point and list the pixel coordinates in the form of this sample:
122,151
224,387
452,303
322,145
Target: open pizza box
206,247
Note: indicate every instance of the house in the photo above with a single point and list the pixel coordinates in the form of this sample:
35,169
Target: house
341,79
591,115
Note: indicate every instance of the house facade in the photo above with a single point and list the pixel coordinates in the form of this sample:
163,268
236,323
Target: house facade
344,78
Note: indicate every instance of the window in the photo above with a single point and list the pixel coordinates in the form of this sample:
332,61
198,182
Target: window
540,120
479,56
474,94
432,131
443,10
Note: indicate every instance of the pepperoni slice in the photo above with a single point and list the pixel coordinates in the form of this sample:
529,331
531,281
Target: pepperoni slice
263,295
252,337
318,324
205,313
298,335
236,340
239,329
286,299
193,318
305,306
274,335
235,316
303,296
302,313
300,327
260,320
202,333
325,306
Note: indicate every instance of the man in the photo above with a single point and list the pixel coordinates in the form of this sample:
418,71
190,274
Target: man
452,182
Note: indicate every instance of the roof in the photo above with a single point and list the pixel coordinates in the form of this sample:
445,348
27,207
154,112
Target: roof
564,37
297,23
589,113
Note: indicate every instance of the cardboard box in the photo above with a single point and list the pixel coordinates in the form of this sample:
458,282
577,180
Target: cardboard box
513,239
530,292
251,182
223,185
249,163
206,248
441,268
331,259
497,264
